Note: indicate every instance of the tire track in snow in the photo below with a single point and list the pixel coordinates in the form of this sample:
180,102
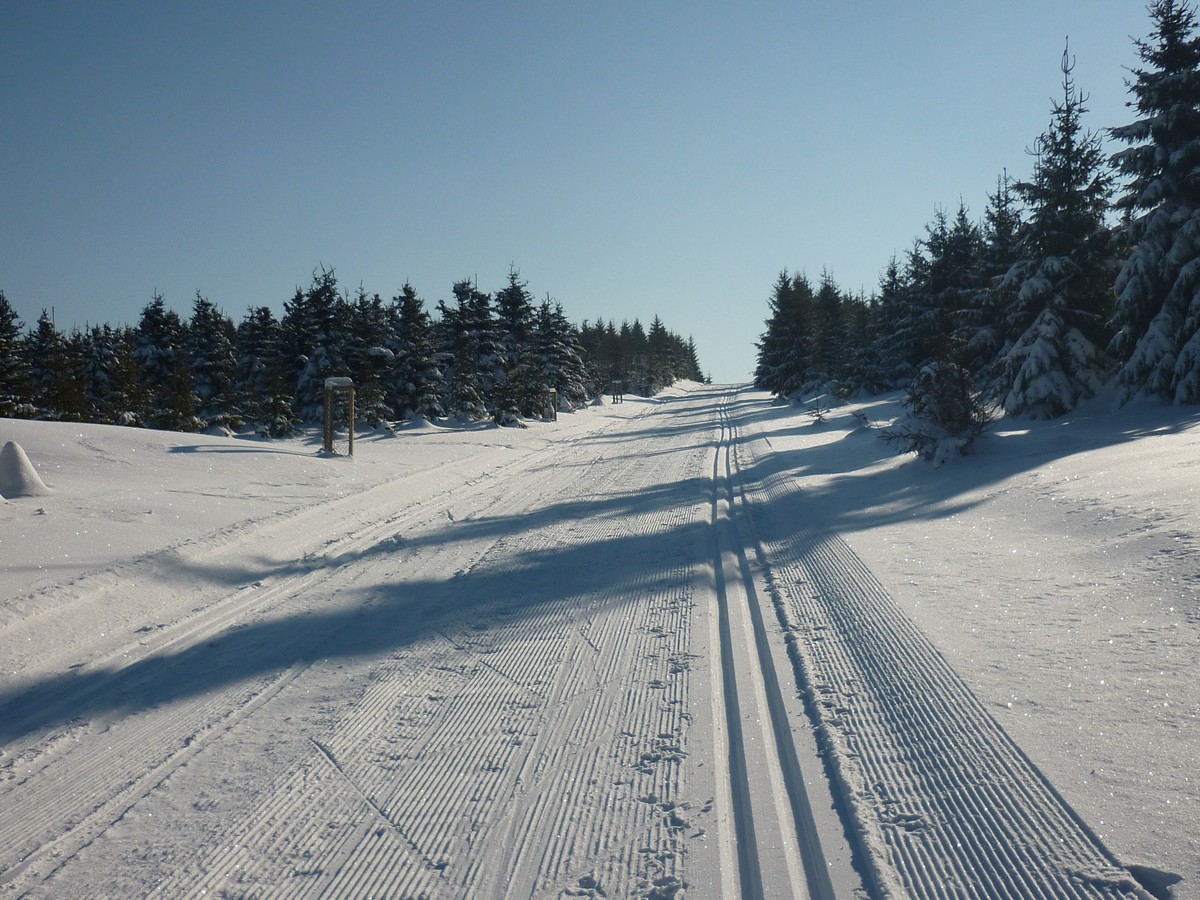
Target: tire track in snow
944,804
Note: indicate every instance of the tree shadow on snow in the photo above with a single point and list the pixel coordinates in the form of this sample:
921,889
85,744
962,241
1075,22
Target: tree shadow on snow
380,618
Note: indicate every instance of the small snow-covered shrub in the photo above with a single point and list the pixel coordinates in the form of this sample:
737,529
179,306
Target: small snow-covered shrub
946,414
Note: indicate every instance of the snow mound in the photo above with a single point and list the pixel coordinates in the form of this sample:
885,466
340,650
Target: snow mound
18,477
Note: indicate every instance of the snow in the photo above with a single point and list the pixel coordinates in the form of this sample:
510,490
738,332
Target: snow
210,689
18,477
1056,571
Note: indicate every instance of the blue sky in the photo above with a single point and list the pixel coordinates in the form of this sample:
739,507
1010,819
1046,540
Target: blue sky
630,158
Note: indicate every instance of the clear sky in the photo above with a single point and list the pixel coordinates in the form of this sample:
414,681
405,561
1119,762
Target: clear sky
630,158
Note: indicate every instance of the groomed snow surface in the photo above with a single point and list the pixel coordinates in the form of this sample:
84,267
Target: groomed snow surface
701,645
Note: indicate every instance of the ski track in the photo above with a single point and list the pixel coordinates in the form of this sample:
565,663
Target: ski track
439,779
778,848
490,742
943,802
518,774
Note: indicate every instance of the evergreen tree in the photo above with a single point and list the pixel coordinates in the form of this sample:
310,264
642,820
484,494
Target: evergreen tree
468,351
635,350
520,390
126,398
864,365
1157,316
314,338
209,348
14,368
55,372
783,365
370,357
560,356
960,279
1062,285
827,351
109,376
938,294
264,373
984,334
660,350
887,364
416,379
691,363
911,315
614,357
164,374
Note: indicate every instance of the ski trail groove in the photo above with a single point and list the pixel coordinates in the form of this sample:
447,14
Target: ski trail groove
778,849
943,803
544,755
115,760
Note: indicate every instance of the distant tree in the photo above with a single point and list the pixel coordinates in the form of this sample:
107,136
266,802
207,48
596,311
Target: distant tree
1062,284
468,350
827,351
984,331
691,363
314,338
209,349
560,356
370,357
14,367
1157,316
164,373
887,362
660,351
783,365
520,389
264,373
415,385
109,376
55,372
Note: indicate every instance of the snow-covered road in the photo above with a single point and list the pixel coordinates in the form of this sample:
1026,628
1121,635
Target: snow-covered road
611,657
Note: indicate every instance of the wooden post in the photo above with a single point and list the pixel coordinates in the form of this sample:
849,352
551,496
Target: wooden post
333,387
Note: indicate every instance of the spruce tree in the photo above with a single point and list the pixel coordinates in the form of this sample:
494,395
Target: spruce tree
209,350
659,351
106,380
164,374
984,334
369,356
55,367
1062,284
314,324
467,350
634,350
1157,316
415,386
691,361
783,364
887,363
14,368
827,351
519,388
264,373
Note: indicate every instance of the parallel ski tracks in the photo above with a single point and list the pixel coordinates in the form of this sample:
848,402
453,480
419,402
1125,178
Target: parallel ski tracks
944,804
525,746
778,850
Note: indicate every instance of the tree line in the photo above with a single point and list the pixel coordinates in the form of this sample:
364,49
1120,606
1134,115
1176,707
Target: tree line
502,355
1083,276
